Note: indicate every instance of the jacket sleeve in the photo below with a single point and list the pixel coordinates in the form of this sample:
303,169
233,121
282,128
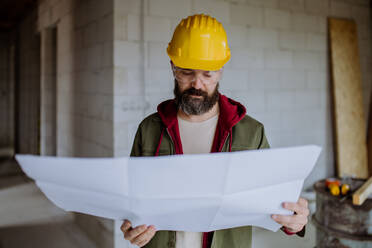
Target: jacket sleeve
137,144
264,144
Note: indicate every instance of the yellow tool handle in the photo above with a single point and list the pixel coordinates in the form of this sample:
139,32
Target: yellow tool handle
334,189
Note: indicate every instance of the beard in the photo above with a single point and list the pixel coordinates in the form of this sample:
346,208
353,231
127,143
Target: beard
195,106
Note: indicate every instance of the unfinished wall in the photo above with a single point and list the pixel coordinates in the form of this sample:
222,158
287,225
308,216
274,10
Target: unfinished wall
84,75
113,70
6,92
129,72
48,81
84,87
278,68
27,86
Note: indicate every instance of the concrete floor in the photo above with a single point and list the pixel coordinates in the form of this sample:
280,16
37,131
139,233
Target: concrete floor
44,235
29,219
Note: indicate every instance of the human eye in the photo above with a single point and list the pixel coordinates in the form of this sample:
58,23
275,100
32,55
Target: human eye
208,74
184,72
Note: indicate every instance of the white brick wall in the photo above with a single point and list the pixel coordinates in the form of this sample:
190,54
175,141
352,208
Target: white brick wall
219,10
262,38
157,29
157,57
292,40
263,79
278,66
169,8
294,5
277,59
247,58
134,27
292,79
246,15
316,42
238,34
306,60
317,7
277,19
264,3
341,9
85,59
234,79
127,54
302,22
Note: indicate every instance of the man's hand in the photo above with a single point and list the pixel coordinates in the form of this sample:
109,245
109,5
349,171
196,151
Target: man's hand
140,235
294,223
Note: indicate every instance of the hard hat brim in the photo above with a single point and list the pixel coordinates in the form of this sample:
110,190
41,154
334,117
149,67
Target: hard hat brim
197,64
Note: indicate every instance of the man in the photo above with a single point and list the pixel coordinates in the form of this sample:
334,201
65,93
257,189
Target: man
201,120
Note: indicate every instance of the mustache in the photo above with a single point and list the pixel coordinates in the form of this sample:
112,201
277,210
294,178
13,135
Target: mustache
196,92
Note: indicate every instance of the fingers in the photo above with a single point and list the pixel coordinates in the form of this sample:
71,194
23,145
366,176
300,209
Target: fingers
303,202
296,207
294,223
133,233
126,226
144,237
286,220
140,235
294,228
300,207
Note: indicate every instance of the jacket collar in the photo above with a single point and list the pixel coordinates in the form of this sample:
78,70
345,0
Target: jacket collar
231,112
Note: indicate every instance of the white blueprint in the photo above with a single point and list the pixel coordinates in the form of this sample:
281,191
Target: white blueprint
199,193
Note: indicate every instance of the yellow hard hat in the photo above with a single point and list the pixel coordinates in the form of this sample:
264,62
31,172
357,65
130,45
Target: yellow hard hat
199,42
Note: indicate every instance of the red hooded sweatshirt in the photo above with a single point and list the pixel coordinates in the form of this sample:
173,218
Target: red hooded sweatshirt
231,112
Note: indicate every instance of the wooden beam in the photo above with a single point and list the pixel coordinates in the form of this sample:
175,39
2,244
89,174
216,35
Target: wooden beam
363,192
350,124
369,137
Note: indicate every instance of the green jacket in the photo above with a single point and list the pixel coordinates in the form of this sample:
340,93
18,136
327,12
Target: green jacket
158,134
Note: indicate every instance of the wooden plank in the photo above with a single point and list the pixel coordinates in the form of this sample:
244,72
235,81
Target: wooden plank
369,138
363,192
350,125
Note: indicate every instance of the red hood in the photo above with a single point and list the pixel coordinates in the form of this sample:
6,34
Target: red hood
231,112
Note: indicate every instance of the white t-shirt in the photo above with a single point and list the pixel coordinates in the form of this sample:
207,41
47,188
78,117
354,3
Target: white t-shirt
196,137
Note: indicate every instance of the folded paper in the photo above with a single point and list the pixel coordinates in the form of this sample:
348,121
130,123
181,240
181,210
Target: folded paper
199,193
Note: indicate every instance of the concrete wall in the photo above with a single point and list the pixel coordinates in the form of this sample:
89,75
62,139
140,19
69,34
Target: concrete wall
6,92
27,88
84,87
278,68
129,72
84,75
48,81
112,70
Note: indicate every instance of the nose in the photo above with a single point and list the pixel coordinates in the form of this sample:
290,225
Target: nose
197,83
